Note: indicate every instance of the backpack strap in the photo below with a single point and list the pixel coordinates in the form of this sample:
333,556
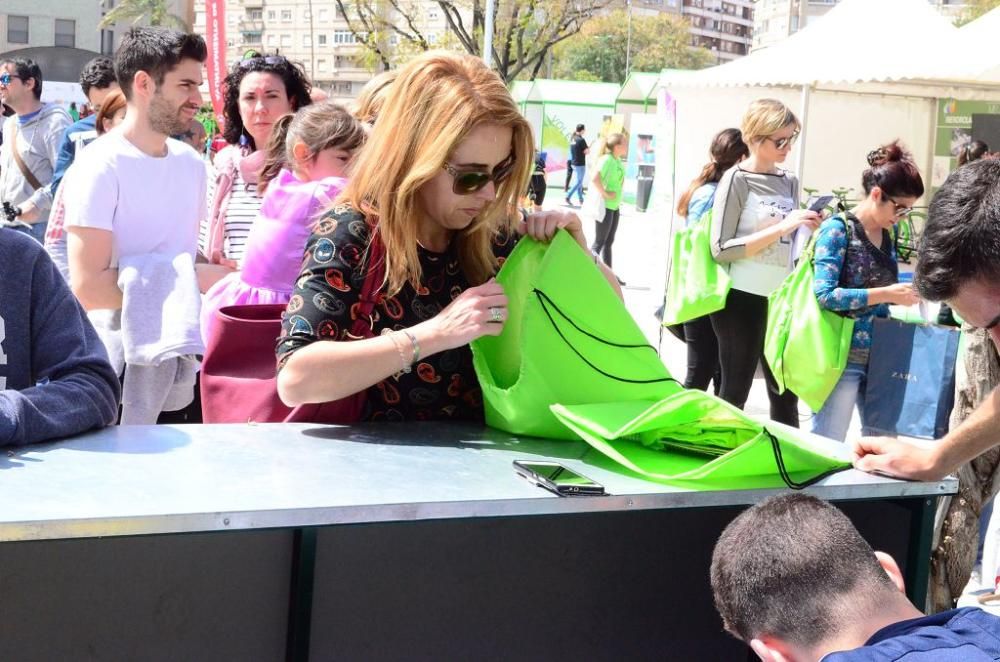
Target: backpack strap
28,175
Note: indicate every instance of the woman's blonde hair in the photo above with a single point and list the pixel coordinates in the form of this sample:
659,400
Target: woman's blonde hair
764,118
437,100
372,98
612,141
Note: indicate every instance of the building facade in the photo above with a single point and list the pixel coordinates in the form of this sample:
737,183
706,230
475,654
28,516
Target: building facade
724,27
313,33
776,19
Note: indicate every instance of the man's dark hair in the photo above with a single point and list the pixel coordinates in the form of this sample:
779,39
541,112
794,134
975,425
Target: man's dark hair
292,74
99,73
579,128
25,68
783,566
156,51
961,242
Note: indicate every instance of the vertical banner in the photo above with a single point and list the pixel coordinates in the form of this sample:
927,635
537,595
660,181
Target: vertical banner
215,38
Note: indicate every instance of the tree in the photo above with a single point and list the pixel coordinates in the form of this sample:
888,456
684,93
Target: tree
155,11
976,8
524,30
599,50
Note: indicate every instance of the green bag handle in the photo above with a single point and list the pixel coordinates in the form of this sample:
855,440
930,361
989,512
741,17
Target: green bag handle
779,460
547,301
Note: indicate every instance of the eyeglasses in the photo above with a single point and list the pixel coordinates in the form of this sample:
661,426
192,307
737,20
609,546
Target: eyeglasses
899,210
469,179
267,59
6,77
782,143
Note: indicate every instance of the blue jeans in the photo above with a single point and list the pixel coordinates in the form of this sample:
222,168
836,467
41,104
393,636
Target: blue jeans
580,172
834,418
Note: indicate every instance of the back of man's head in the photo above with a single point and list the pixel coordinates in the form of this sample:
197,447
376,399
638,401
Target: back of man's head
157,51
579,128
26,69
99,74
795,568
961,242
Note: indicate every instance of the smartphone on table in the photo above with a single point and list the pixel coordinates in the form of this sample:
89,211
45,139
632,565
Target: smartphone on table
558,479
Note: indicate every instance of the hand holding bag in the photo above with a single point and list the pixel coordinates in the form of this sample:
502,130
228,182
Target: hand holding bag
239,382
806,345
697,285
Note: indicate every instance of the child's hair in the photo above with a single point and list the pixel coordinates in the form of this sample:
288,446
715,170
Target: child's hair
318,126
611,142
973,150
372,97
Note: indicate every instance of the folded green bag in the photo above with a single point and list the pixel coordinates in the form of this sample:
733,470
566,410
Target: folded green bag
696,440
805,344
568,339
696,284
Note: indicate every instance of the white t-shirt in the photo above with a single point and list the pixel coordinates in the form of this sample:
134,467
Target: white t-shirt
151,204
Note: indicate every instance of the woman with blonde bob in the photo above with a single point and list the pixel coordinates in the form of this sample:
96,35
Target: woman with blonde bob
756,210
435,188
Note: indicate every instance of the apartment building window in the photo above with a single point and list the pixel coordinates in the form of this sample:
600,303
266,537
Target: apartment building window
252,38
65,33
17,29
321,65
271,14
286,41
432,14
306,15
107,42
255,14
286,15
199,18
272,40
324,15
306,41
321,40
344,37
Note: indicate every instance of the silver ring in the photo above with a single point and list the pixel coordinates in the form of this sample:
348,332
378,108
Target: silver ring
496,314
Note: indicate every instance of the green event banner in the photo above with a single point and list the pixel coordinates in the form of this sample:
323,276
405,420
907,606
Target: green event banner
957,122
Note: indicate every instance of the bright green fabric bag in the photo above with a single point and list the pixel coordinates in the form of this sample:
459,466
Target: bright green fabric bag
693,439
568,339
805,344
696,284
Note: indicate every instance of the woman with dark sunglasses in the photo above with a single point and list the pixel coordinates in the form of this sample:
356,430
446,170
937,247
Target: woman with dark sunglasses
434,192
753,217
857,275
259,90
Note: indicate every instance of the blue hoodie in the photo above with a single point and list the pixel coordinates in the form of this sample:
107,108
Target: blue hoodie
55,379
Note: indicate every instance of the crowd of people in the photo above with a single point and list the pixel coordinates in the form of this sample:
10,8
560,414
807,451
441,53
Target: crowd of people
381,227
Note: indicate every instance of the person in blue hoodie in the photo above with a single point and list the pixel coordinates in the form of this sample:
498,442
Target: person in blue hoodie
794,579
55,379
97,81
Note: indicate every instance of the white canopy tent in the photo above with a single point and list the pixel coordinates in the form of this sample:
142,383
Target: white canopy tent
855,81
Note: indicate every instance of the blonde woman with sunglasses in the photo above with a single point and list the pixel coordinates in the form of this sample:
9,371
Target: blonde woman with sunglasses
435,188
754,216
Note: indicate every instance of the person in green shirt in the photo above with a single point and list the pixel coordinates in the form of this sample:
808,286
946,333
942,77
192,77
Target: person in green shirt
609,178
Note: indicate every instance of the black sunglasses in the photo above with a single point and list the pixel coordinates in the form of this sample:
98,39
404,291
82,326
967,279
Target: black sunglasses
469,179
268,59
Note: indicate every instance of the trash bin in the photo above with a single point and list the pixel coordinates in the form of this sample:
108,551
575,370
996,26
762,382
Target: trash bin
644,187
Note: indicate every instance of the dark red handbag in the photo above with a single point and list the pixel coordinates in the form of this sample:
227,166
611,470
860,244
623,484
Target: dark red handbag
239,381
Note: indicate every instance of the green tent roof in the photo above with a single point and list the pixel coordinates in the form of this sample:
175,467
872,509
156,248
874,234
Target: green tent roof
520,89
571,91
639,86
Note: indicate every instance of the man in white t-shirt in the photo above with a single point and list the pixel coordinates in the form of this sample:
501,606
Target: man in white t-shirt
139,192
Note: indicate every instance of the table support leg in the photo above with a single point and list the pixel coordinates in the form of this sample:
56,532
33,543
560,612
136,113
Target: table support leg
918,564
301,595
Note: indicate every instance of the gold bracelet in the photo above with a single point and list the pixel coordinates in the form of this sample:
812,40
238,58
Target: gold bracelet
402,353
415,346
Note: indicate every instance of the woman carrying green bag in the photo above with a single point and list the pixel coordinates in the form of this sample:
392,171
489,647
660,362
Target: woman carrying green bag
727,150
434,193
754,214
856,274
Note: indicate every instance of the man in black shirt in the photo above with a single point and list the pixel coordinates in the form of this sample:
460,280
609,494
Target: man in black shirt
578,162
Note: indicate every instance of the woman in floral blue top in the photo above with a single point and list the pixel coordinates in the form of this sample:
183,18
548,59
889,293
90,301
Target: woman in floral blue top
856,274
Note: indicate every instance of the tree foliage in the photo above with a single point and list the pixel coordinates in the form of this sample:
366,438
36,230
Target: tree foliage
976,8
155,11
598,52
524,30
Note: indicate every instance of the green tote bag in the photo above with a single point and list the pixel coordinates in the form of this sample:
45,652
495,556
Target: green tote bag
696,284
568,339
805,344
693,439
